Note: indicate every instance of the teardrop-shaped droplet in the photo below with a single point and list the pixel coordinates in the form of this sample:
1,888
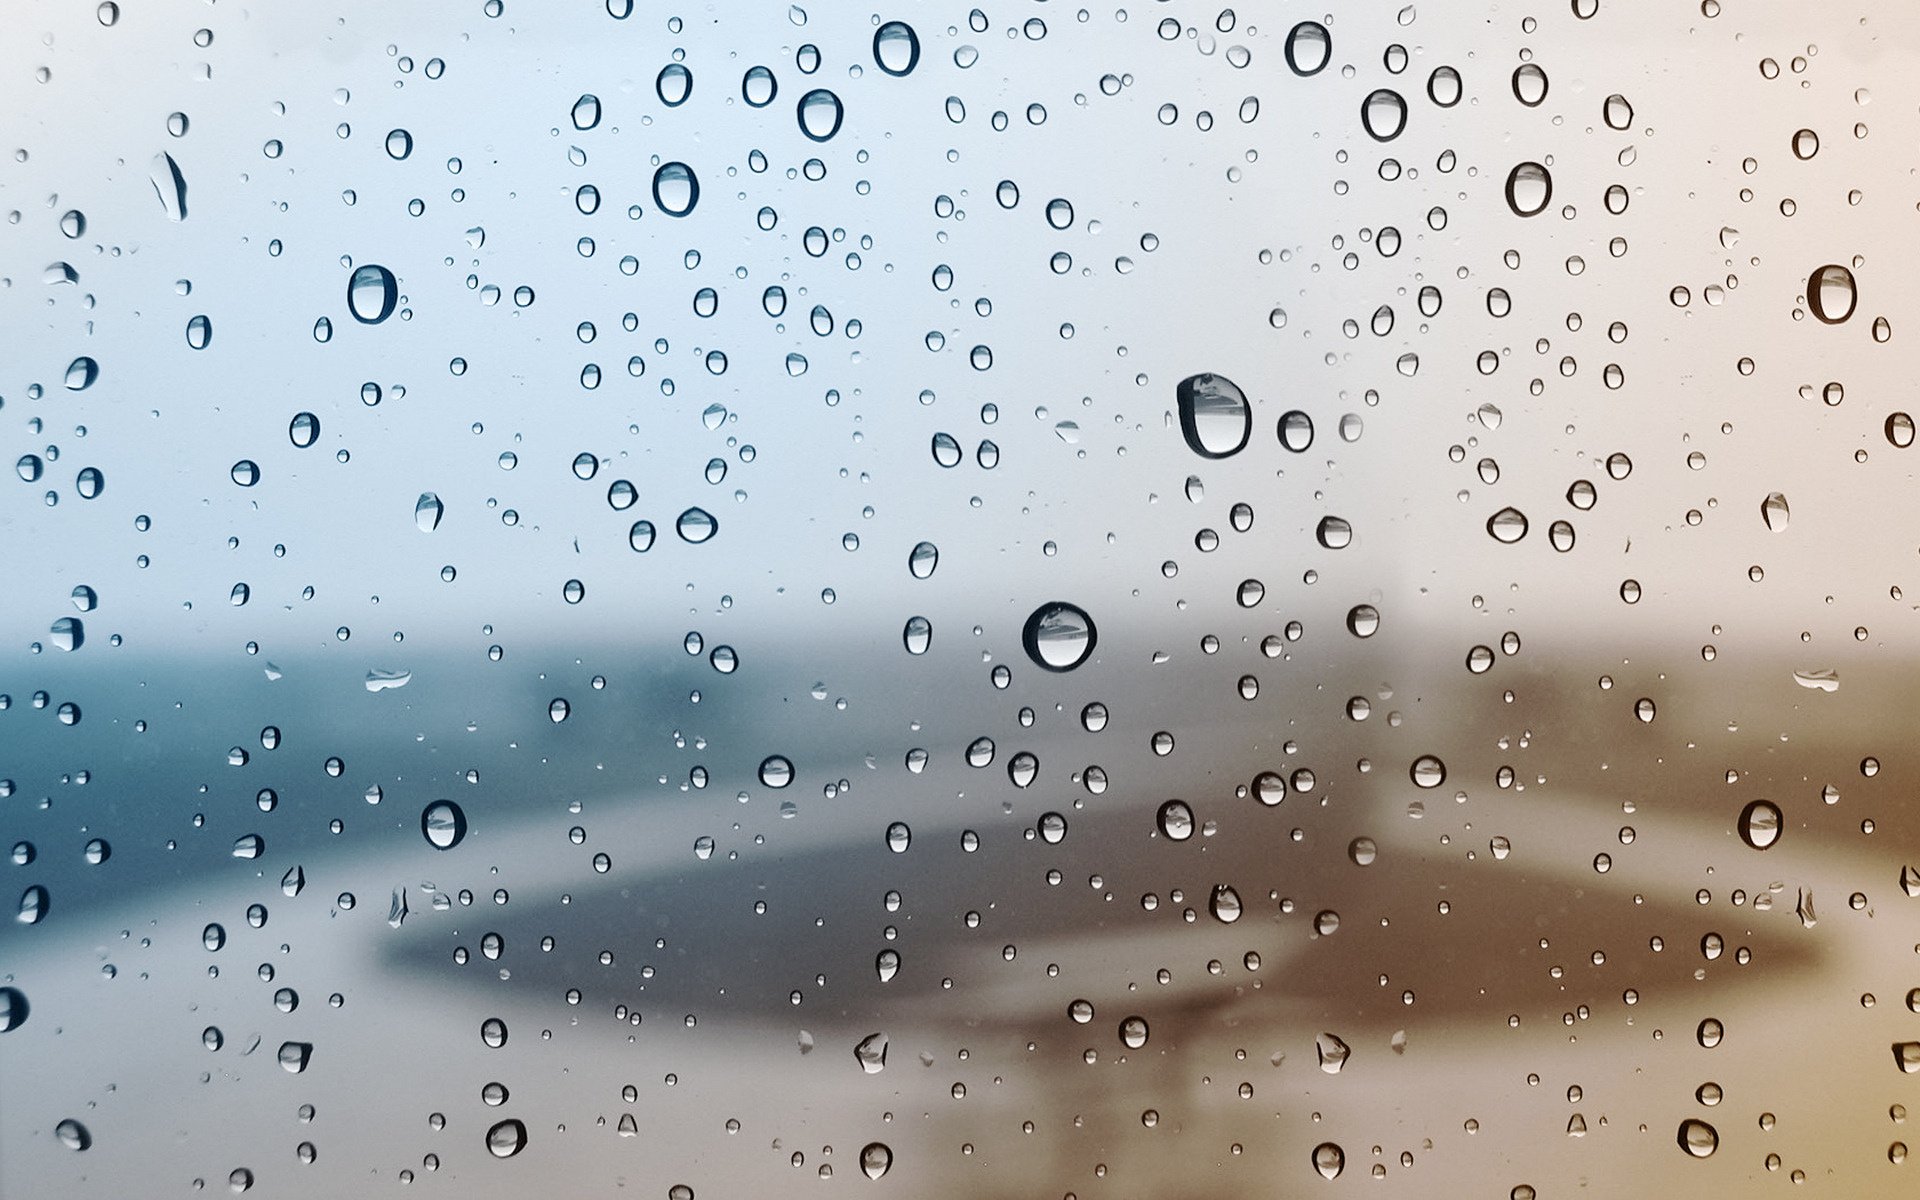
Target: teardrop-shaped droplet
1176,820
33,905
1059,636
1698,1138
1309,47
1329,1159
1508,525
696,525
1529,189
1773,510
170,185
506,1139
1384,114
81,373
1831,294
1224,904
675,189
586,112
1215,417
875,1159
1760,824
427,511
443,823
820,114
372,293
304,429
73,1135
896,48
886,965
673,85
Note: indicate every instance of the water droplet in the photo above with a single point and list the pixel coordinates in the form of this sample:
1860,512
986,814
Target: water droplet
1698,1138
1384,114
1059,636
81,373
1329,1159
427,511
1529,84
372,293
871,1053
1444,86
294,1056
675,189
899,837
73,1135
820,114
886,965
1296,430
1899,430
558,709
1773,510
1806,144
1907,1056
170,185
493,1033
1760,824
506,1139
896,48
67,633
399,144
586,111
1333,1053
1309,47
304,429
33,905
443,823
640,536
1617,112
1133,1032
923,559
1529,189
696,525
246,472
13,1009
1224,904
758,86
1215,417
875,1159
673,85
1363,620
1508,525
1176,820
776,771
1831,294
1334,533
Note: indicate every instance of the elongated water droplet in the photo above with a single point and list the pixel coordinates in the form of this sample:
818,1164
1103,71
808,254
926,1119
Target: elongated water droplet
170,185
1215,417
443,823
1899,430
875,1159
1773,510
427,511
820,114
1333,1053
372,293
586,112
33,905
1831,294
758,86
886,965
1296,430
1224,904
1059,636
1529,84
1760,824
399,144
1176,820
1329,1159
1309,47
1384,114
81,373
1529,189
896,48
871,1053
673,85
675,189
1445,87
304,429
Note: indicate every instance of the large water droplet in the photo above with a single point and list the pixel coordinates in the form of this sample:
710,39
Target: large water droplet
696,525
33,905
886,965
1529,189
1384,114
1773,510
1760,824
1309,47
443,823
1831,294
1059,636
67,633
1224,904
875,1159
1296,430
820,114
13,1009
923,559
758,86
304,429
1428,771
506,1139
1333,1053
1899,430
1329,1159
673,85
1698,1138
776,771
896,48
170,185
586,111
1907,1056
294,1056
1616,111
1176,820
871,1053
372,294
81,373
73,1135
1215,417
675,189
427,511
1508,525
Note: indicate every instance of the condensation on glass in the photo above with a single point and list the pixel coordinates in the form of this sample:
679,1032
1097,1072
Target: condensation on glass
1151,599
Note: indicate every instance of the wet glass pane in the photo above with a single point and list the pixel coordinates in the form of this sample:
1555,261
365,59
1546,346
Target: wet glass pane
1138,600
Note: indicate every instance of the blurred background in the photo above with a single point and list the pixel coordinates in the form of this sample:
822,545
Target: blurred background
1005,601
